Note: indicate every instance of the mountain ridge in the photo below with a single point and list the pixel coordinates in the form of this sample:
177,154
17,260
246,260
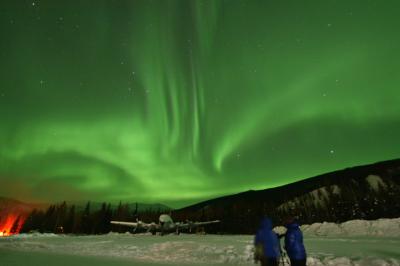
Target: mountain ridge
375,166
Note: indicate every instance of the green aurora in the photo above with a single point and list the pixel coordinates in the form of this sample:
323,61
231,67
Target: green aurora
180,101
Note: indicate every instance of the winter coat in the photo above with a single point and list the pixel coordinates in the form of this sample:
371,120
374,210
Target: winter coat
268,239
294,242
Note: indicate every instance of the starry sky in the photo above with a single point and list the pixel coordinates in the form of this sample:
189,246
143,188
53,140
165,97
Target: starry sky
180,101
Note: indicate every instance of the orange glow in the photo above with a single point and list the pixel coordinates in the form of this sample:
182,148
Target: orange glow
10,221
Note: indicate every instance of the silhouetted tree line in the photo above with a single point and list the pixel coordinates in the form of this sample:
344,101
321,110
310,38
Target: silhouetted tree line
238,217
68,219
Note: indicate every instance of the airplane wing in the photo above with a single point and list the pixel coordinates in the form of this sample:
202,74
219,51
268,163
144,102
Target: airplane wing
191,225
138,224
124,223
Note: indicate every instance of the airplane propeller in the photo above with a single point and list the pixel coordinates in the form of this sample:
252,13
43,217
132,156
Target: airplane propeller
190,225
152,228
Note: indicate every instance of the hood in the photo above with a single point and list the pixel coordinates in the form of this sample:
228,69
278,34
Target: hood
266,223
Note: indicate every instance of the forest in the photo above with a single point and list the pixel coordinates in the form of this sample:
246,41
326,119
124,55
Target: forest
71,219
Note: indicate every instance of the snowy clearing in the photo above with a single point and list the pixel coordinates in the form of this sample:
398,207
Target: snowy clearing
325,246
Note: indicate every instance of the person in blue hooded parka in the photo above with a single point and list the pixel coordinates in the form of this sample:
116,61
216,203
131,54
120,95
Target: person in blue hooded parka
294,244
267,248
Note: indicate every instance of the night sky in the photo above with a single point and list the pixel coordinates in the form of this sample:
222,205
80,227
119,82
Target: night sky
180,101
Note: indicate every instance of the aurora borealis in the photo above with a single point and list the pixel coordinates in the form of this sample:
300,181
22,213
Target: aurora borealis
180,101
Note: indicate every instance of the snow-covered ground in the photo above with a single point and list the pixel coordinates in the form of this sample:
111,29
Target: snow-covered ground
354,243
381,227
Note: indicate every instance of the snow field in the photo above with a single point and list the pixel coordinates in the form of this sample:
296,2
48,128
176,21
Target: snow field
354,243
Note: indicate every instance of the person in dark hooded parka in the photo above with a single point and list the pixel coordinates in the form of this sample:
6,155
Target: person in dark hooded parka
267,244
294,244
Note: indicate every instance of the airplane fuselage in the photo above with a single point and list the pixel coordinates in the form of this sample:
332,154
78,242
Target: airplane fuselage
165,225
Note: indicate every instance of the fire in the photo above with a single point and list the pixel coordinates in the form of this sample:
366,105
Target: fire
11,225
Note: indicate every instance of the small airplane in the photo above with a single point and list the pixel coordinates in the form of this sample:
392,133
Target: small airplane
165,225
